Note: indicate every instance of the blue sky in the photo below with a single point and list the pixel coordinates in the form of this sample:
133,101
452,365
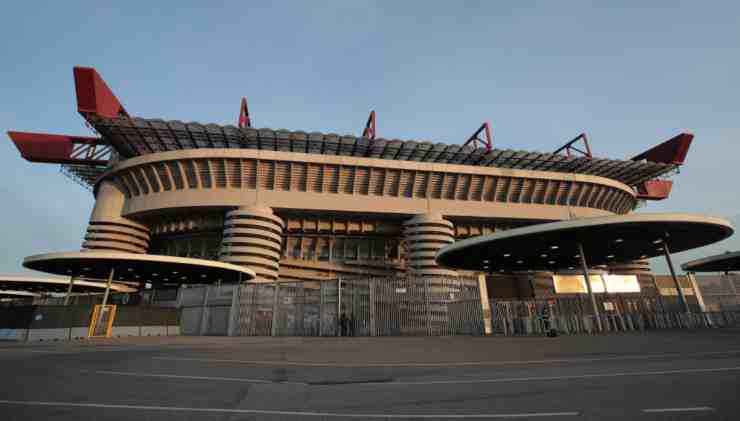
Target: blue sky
627,74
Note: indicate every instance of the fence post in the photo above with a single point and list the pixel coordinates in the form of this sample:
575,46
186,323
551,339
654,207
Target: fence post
275,308
371,304
234,310
204,312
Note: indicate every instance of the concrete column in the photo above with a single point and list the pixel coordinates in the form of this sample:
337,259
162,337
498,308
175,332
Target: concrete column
108,230
424,235
594,307
69,290
252,238
697,291
485,304
667,254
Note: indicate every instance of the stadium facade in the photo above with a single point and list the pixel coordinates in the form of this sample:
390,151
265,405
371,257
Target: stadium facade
298,206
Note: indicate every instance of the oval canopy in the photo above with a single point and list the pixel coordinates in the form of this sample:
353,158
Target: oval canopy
132,267
38,285
725,262
611,239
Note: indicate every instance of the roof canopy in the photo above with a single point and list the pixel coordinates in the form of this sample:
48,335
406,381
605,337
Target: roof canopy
725,262
139,136
611,239
138,267
39,285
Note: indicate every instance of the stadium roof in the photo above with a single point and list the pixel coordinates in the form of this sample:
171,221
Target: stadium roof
139,136
85,159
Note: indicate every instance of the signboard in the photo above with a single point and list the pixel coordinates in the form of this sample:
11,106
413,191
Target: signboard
575,284
400,290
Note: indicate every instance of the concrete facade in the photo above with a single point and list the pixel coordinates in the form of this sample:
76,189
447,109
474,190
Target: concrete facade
305,216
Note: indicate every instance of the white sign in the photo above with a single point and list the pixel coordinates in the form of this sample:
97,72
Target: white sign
400,290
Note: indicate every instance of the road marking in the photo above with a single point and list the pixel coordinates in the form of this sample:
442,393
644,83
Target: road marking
694,409
450,364
175,376
572,377
31,350
286,413
430,382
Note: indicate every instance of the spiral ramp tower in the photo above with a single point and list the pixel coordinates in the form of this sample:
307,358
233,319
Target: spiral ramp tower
424,235
252,238
108,230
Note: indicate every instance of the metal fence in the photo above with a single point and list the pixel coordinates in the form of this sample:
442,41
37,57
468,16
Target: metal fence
368,306
617,314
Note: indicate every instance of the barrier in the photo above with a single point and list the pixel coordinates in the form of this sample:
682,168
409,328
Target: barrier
568,317
43,323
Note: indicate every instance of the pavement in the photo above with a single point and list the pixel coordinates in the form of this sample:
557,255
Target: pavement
667,375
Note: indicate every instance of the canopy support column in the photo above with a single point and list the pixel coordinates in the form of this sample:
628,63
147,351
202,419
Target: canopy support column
69,290
107,286
667,253
594,307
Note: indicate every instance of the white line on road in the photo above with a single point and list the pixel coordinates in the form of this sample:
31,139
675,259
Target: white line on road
175,376
578,376
285,413
431,382
694,409
443,364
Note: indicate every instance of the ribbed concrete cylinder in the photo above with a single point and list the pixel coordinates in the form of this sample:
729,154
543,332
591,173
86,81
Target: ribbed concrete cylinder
252,238
635,267
424,235
108,230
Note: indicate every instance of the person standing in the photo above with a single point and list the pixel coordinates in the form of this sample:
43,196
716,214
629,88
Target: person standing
343,324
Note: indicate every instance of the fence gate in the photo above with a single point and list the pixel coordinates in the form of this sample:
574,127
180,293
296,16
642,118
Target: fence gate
373,307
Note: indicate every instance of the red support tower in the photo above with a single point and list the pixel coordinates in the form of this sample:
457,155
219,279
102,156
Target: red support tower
569,148
369,131
244,120
476,140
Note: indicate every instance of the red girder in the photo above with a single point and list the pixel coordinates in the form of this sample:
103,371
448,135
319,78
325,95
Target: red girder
654,189
94,97
60,149
244,120
369,131
475,139
568,147
672,151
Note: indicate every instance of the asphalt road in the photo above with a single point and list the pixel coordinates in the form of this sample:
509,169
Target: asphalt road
679,375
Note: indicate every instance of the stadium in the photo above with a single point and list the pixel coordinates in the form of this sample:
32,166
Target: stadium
298,207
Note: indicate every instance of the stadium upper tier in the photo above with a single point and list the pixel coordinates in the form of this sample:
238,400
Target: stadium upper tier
139,136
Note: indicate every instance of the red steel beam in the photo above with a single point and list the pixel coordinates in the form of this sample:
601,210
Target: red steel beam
94,97
369,131
672,151
475,137
244,120
60,149
654,189
568,147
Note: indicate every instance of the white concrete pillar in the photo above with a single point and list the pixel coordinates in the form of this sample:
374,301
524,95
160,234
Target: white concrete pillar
252,238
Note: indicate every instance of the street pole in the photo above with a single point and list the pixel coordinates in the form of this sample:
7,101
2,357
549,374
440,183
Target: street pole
69,290
584,267
668,259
